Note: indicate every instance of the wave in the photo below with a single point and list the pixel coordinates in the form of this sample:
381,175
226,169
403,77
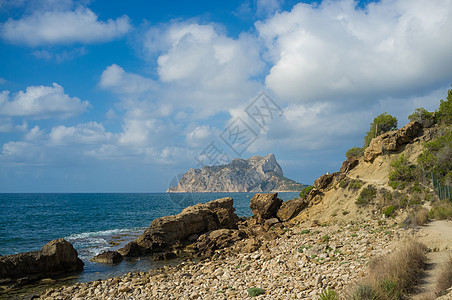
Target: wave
109,232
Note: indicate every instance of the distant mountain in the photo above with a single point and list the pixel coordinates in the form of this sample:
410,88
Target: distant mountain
256,174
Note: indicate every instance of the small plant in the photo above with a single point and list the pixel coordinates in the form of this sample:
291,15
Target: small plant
328,294
354,235
345,212
354,151
255,291
389,211
343,183
366,195
305,231
325,238
306,191
301,249
355,184
364,292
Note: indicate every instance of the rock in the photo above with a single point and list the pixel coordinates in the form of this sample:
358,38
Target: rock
108,257
256,174
57,257
392,140
265,206
251,245
270,222
290,209
217,239
170,231
350,163
324,181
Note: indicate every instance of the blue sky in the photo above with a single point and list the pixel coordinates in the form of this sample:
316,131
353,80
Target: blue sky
121,96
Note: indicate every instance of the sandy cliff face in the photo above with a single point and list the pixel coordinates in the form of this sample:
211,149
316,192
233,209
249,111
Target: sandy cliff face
256,174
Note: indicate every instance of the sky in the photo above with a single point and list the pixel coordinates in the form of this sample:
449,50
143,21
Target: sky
122,96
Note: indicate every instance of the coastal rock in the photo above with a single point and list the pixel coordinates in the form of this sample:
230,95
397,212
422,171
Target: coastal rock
256,174
217,239
349,164
324,181
290,209
55,258
265,206
108,257
169,231
392,140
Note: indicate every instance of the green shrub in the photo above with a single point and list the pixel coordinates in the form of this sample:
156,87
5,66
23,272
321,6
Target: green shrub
306,191
328,294
435,156
444,112
254,291
441,210
354,151
402,171
355,184
380,125
366,195
421,115
343,183
389,211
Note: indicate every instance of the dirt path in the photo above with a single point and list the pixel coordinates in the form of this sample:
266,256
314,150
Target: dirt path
437,235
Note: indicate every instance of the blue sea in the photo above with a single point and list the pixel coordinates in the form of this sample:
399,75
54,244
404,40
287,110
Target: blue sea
95,222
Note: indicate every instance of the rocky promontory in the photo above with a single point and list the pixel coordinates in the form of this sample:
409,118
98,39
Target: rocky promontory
256,174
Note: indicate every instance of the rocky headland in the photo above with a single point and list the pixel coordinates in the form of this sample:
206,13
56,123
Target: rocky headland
256,174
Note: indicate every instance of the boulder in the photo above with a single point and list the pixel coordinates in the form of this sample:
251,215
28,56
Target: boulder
350,163
56,258
214,240
290,209
168,232
392,140
108,257
265,206
270,222
324,181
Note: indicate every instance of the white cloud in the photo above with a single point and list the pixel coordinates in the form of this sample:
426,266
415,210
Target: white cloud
267,7
61,56
41,102
336,51
91,133
63,27
125,83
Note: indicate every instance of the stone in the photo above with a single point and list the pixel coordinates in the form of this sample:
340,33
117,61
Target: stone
56,258
170,231
349,164
270,222
324,181
214,240
392,140
265,206
108,257
290,209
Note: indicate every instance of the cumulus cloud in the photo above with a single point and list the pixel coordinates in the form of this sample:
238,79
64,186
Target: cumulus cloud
54,27
41,102
335,50
125,83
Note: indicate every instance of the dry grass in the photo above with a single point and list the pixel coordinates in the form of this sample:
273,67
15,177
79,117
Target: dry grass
444,280
441,210
418,217
394,276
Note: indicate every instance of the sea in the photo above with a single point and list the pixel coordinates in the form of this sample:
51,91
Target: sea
96,222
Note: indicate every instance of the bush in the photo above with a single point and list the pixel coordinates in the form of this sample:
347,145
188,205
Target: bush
441,210
421,217
421,115
380,125
444,280
254,291
366,195
389,211
402,171
328,294
343,183
354,151
306,191
355,184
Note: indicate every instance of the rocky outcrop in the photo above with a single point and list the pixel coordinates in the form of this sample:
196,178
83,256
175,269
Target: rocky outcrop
392,140
55,258
168,233
290,209
256,174
108,257
349,164
265,206
211,241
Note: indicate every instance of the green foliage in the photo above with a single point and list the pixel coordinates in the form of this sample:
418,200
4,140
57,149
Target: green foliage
254,291
354,151
441,210
306,191
355,184
343,183
436,155
305,231
389,211
328,294
402,171
325,238
390,289
444,112
364,292
366,195
381,124
423,116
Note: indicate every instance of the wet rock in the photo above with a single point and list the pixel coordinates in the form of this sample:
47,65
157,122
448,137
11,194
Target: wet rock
265,206
108,257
